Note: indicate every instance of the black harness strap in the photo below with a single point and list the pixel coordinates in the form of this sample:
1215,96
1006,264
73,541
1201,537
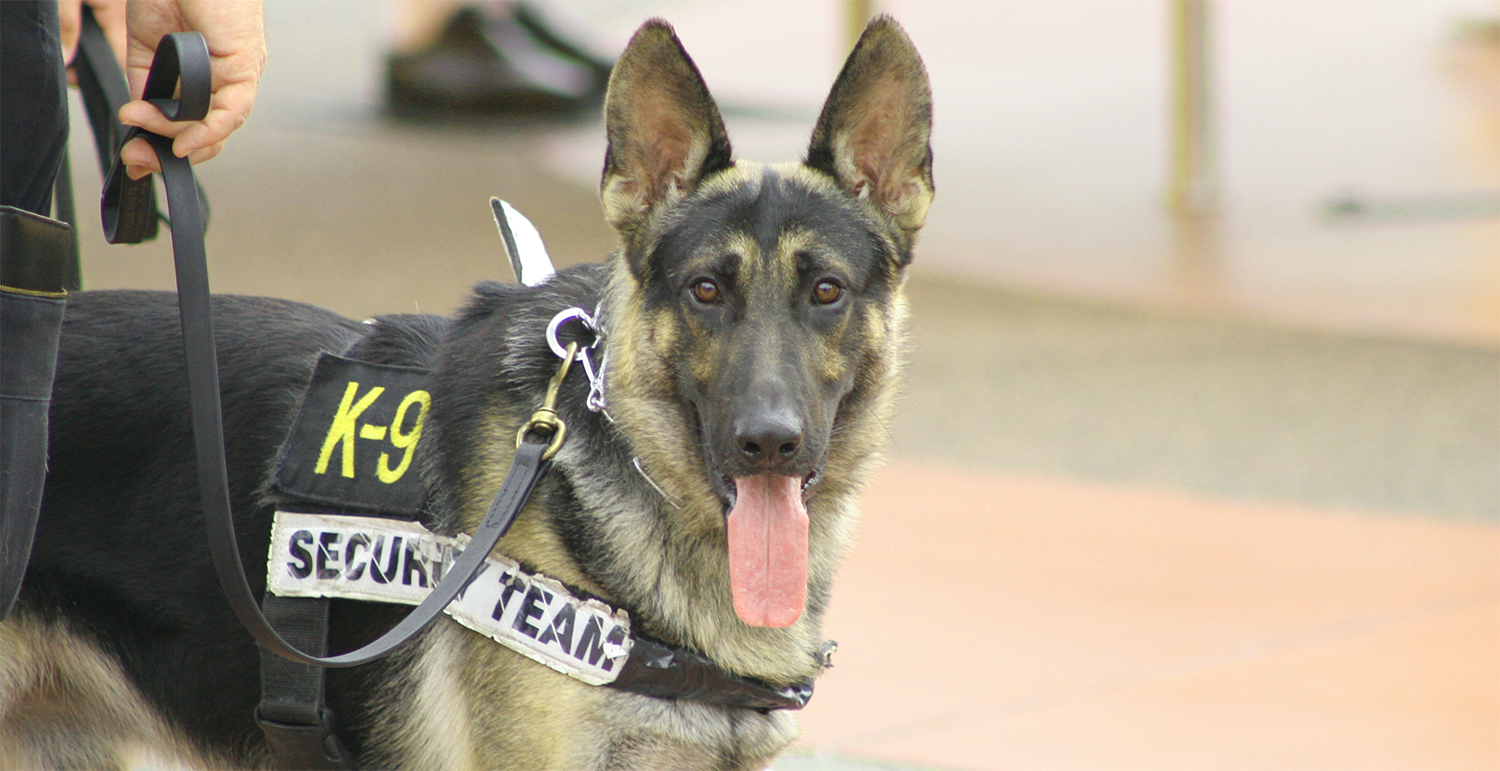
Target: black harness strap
665,672
62,207
296,721
102,84
307,626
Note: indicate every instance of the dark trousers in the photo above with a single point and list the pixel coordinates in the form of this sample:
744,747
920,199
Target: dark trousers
33,104
33,133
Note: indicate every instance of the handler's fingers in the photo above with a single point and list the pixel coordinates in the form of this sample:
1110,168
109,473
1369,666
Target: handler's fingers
230,107
140,158
197,141
205,153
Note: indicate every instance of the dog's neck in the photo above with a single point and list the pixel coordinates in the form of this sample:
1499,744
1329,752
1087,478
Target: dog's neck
599,524
681,593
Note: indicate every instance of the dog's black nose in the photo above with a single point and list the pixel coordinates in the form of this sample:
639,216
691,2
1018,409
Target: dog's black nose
768,441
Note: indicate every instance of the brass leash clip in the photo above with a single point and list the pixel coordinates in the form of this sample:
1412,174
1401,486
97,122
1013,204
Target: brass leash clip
545,420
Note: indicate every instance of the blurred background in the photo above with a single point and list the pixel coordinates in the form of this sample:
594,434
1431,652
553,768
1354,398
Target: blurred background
1199,463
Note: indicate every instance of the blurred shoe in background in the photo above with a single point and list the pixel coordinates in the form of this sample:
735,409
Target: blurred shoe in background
494,60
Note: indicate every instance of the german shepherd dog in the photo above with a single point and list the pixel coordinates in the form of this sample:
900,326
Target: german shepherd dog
753,322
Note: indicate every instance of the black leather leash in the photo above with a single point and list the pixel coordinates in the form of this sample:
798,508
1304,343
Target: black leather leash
105,91
182,59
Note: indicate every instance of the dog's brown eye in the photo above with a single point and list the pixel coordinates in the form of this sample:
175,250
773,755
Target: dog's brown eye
827,293
706,292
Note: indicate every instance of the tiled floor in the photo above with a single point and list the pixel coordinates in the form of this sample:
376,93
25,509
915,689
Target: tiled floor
996,621
1108,537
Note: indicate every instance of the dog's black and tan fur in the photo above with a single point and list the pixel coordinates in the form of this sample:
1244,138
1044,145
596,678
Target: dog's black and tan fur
754,320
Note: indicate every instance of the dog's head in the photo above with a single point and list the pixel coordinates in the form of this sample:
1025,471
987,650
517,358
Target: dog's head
754,313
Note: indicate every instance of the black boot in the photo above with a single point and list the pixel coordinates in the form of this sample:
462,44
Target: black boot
35,253
512,63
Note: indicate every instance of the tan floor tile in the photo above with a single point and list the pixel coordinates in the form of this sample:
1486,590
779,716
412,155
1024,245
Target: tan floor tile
992,619
1419,695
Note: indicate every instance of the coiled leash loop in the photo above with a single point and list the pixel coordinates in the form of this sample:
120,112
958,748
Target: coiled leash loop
183,58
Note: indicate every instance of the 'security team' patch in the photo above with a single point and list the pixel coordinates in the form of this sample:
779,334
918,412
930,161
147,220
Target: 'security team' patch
360,558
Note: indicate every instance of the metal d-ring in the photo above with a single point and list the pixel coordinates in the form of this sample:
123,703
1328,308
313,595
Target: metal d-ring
596,401
556,323
546,419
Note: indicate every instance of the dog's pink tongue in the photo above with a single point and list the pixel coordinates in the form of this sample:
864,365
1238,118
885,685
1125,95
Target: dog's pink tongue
768,550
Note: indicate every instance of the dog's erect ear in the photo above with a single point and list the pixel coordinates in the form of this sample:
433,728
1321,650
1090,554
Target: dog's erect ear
665,133
874,135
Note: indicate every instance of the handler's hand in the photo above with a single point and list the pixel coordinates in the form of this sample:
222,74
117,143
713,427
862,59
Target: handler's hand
237,50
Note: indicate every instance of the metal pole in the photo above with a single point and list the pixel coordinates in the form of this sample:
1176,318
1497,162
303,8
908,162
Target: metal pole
1192,187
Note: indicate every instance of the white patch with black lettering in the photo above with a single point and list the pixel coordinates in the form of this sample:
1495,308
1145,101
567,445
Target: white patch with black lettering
360,558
